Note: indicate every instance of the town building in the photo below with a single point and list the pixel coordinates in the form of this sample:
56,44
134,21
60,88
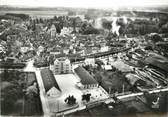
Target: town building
90,61
104,49
66,30
52,31
107,67
85,78
61,66
50,84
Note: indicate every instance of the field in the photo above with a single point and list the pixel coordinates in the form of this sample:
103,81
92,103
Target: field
37,13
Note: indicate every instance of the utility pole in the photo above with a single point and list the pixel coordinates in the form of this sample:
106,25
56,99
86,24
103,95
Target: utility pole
109,89
25,86
58,105
123,88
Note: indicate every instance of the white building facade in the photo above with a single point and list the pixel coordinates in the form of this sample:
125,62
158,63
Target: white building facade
53,31
61,66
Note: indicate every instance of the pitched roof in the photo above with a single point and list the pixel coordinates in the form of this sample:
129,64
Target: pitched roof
49,80
53,92
158,61
85,77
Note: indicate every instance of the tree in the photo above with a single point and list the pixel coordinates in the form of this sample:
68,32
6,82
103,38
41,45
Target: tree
74,25
83,27
21,16
107,25
156,38
148,48
31,96
163,101
9,95
70,100
150,98
32,91
164,28
90,30
132,110
86,97
41,20
34,25
98,77
88,17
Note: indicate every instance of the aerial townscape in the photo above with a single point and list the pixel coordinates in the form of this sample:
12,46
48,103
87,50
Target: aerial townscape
89,62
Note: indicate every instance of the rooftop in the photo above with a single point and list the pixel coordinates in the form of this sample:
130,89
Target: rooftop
85,77
158,61
49,79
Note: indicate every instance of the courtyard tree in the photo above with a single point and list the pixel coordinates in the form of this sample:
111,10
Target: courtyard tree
74,25
107,24
70,100
86,97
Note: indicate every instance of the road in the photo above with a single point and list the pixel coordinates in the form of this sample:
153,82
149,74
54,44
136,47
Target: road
31,68
141,93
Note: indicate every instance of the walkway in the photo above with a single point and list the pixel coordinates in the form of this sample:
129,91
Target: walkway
31,68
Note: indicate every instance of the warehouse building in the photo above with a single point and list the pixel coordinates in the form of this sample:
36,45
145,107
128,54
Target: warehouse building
50,84
85,78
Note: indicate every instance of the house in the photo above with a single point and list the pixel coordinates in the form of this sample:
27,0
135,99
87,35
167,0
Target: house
108,67
104,49
50,84
61,66
90,61
66,30
85,78
24,49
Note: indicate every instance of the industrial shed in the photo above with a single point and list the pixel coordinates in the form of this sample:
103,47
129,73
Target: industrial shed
85,78
50,84
157,61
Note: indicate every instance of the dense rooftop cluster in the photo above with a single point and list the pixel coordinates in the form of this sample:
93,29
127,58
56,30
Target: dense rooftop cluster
118,54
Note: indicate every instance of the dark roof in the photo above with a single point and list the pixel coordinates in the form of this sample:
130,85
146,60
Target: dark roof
158,62
85,77
49,80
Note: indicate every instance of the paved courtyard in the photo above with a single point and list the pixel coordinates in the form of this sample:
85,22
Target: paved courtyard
97,94
67,84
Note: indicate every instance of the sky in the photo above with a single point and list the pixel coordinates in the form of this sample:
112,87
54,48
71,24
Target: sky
83,3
